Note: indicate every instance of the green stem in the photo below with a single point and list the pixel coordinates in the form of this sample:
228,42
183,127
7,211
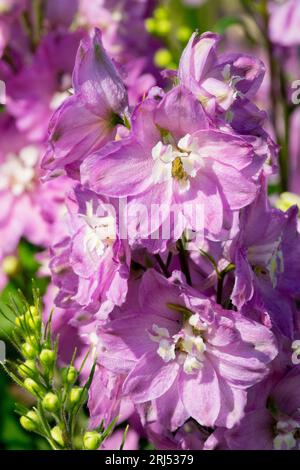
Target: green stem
279,102
221,277
220,288
162,266
184,264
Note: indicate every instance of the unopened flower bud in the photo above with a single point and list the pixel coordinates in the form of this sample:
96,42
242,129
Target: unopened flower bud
33,322
33,340
184,33
91,440
30,421
150,24
69,375
57,435
27,369
29,351
33,311
77,395
47,358
20,321
163,58
161,13
50,402
10,265
33,387
163,27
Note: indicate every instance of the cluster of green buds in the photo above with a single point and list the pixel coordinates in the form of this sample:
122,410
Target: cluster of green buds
174,35
60,400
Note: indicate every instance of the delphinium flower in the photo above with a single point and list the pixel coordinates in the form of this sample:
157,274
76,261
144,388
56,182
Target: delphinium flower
264,254
177,159
91,264
99,100
186,354
275,421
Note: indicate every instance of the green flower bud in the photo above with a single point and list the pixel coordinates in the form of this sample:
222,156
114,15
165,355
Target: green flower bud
69,375
33,387
10,265
47,358
183,33
20,321
33,322
29,351
33,311
91,440
162,58
57,435
163,27
30,422
160,13
50,402
27,369
150,25
287,200
77,394
33,340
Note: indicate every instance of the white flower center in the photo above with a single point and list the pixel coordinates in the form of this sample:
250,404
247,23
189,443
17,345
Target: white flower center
180,162
18,171
288,435
187,347
100,231
296,352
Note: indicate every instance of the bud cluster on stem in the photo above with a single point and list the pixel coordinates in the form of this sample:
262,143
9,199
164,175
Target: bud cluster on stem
58,412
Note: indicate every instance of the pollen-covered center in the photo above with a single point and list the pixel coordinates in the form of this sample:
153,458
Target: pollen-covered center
187,346
178,171
179,162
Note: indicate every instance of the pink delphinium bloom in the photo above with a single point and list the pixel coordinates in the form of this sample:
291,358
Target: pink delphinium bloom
90,265
267,259
276,425
226,85
88,119
187,354
174,158
218,79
